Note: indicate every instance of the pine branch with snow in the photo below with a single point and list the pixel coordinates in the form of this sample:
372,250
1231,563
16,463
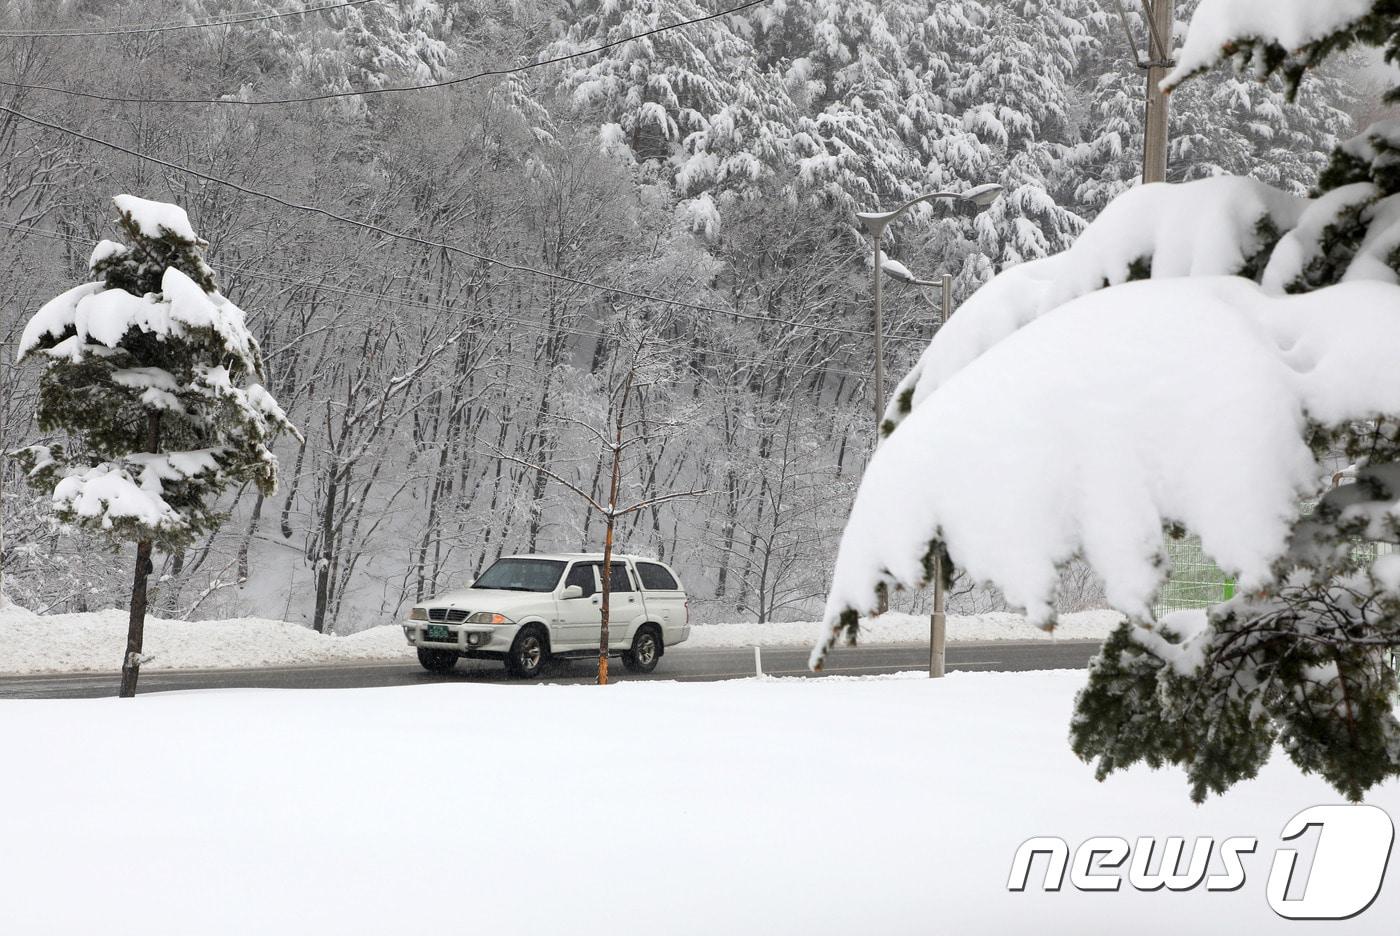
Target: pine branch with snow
1289,37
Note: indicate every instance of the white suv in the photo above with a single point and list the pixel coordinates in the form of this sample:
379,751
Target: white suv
526,609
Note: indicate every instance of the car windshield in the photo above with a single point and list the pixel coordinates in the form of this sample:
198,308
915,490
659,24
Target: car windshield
531,575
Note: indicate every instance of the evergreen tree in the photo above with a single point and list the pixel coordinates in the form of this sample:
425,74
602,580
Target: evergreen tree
658,89
1304,662
149,369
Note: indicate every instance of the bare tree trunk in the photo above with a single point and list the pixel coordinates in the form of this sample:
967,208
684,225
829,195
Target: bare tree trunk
327,552
170,595
606,574
608,535
136,623
248,538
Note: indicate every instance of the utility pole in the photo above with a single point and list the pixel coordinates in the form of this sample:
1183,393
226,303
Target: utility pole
938,621
877,233
1161,22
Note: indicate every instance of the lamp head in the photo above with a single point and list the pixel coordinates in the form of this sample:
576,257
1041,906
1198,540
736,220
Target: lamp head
983,195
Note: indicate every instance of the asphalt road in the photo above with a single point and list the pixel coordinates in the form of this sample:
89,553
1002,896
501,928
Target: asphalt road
678,664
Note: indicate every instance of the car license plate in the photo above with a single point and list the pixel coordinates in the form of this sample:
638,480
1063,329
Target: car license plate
438,632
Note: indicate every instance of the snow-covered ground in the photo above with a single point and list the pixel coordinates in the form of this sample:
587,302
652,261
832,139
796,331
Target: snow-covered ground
94,642
810,807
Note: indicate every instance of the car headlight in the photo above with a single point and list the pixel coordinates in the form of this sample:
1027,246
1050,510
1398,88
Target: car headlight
418,614
488,617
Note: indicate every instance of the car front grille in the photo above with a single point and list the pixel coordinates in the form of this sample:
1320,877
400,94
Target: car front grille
447,615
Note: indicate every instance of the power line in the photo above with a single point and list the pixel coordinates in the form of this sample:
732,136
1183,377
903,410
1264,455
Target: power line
149,28
438,307
436,245
528,324
401,89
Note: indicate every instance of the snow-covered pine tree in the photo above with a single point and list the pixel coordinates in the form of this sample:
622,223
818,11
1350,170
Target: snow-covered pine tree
1301,657
656,90
150,371
1305,660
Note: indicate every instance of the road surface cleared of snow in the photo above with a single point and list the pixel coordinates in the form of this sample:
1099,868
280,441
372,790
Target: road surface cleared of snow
895,627
95,641
808,807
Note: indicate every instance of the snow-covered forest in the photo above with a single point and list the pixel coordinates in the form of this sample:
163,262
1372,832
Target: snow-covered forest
716,166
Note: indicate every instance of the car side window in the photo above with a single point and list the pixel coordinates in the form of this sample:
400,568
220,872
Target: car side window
656,578
582,576
620,581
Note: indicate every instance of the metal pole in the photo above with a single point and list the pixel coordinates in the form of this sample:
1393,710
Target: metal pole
876,235
947,299
877,232
938,623
1154,153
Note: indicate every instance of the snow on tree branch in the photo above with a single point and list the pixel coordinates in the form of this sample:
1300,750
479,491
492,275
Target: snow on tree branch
1271,34
1217,226
1090,430
167,423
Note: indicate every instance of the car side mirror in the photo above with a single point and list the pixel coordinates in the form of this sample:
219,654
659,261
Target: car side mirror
571,591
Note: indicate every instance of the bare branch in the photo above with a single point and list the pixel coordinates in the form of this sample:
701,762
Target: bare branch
549,474
642,505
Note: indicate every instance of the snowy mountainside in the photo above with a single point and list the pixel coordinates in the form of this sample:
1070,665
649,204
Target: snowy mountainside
718,163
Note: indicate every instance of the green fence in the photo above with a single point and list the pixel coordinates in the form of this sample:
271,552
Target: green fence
1196,582
1193,582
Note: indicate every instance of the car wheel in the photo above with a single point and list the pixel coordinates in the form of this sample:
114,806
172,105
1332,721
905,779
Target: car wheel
437,661
528,654
645,652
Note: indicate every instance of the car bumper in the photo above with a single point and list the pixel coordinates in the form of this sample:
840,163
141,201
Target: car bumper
464,638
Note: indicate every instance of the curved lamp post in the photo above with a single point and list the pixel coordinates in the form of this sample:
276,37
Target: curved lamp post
875,222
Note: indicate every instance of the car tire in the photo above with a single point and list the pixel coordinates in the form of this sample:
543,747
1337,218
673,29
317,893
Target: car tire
437,661
528,653
646,651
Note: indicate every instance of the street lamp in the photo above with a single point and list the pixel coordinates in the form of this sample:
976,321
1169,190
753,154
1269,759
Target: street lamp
876,222
898,271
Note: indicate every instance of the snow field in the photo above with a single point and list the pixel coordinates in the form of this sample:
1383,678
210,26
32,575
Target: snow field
811,807
94,642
